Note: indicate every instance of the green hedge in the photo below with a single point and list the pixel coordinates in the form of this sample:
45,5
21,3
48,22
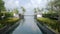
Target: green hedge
54,24
51,15
8,21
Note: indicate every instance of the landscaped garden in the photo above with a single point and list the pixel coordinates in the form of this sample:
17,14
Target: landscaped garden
8,17
8,21
50,19
53,24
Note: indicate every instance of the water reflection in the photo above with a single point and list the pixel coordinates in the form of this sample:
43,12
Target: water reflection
27,26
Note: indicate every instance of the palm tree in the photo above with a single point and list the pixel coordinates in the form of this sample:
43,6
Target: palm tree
35,11
2,8
55,6
23,9
2,5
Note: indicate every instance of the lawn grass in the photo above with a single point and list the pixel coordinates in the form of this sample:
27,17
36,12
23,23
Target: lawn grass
8,21
47,20
54,24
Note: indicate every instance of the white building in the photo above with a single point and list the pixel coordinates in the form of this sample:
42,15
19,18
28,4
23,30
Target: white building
39,15
16,15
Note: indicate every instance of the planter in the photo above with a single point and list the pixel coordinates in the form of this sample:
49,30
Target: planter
3,29
45,28
35,16
7,28
12,27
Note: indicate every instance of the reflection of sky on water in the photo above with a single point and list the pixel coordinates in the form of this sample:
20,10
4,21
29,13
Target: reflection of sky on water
29,27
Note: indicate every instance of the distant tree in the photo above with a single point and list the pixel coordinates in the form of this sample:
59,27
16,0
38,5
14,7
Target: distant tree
2,5
2,8
16,11
55,6
23,9
35,10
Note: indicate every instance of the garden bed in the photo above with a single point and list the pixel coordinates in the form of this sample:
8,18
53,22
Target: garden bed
7,23
52,24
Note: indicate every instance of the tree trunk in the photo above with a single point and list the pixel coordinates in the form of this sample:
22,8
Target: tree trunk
59,15
59,18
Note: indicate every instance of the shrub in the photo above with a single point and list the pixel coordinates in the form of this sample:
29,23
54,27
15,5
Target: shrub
1,25
51,15
54,24
8,21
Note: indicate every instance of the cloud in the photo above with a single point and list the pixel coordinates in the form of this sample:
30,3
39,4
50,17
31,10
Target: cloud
35,3
11,4
28,4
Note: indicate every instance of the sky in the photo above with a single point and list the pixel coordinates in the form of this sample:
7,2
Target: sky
28,4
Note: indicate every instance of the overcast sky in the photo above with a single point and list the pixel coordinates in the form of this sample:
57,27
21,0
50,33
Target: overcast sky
28,4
